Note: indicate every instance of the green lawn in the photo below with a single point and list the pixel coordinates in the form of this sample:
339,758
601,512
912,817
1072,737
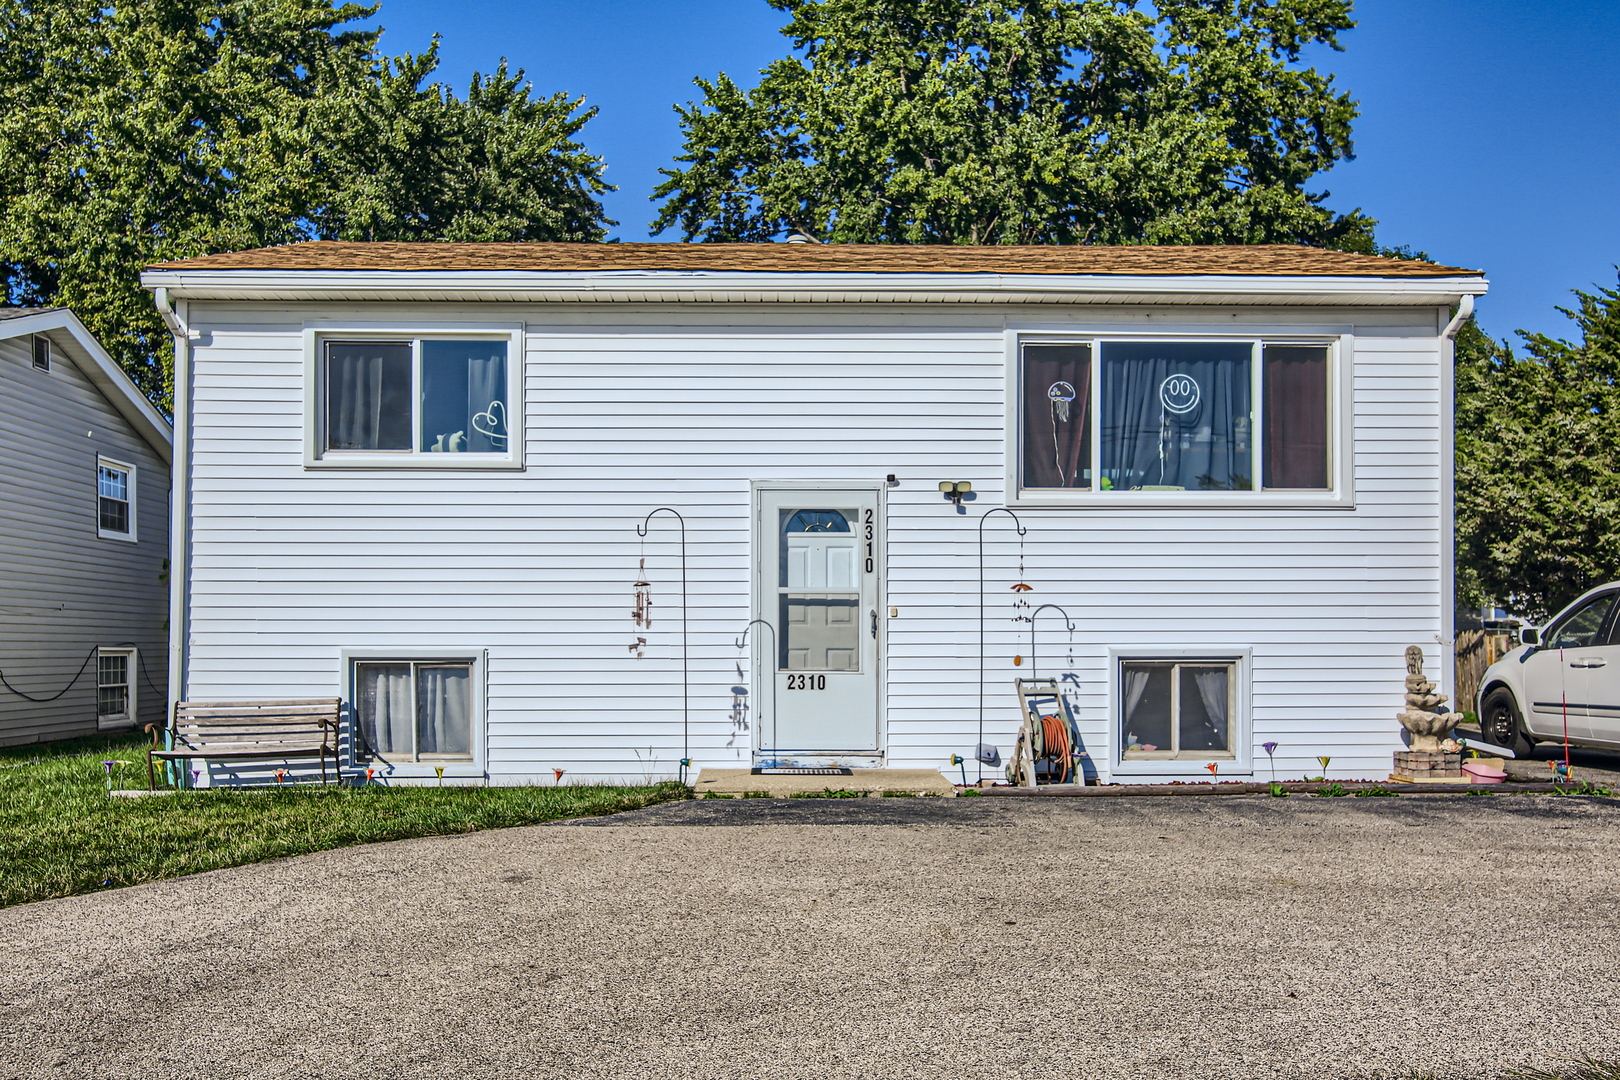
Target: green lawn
61,834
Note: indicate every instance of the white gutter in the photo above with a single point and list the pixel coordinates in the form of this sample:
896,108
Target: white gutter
735,287
174,317
1448,501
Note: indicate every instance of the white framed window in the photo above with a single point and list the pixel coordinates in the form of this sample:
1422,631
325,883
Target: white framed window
1249,420
1176,711
416,710
42,352
424,400
115,687
115,500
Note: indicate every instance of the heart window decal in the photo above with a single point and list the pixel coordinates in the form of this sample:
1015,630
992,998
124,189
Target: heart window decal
492,423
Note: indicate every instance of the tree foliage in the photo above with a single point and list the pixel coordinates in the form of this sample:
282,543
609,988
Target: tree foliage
1538,436
1005,122
159,129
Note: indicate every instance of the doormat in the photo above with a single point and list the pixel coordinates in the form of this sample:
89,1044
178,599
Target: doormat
775,771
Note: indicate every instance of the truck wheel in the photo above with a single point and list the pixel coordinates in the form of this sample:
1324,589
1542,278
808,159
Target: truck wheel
1501,724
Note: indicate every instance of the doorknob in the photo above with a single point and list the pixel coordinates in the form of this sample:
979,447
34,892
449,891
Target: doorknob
874,624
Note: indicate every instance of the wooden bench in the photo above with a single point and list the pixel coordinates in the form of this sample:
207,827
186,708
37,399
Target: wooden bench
248,730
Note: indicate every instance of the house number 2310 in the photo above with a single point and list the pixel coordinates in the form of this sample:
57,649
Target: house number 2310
807,682
869,552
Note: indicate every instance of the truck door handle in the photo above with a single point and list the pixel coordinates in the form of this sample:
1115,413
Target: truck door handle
874,624
1589,662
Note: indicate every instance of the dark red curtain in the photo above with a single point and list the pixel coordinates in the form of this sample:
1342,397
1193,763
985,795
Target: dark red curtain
1056,451
1296,436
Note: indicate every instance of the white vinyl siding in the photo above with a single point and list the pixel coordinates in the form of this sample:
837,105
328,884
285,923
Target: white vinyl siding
636,407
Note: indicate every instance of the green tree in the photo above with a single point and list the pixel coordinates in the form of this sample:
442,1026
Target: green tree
1538,438
1000,122
134,133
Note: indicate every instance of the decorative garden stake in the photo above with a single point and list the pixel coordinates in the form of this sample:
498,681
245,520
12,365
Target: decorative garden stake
958,759
1271,748
107,765
438,771
280,775
195,775
369,774
559,774
1427,762
1214,768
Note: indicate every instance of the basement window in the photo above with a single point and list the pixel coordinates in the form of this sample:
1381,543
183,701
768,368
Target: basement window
1178,710
414,710
115,687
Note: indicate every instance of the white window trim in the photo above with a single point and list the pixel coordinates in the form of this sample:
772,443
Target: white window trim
132,536
316,334
1242,761
473,769
1341,422
110,723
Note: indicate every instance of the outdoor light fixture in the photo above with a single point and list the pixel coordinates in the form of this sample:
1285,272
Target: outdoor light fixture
955,489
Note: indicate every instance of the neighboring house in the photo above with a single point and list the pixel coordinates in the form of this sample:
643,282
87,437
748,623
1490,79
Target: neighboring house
83,535
417,471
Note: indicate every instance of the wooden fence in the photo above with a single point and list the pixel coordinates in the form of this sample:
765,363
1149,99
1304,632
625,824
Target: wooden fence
1476,651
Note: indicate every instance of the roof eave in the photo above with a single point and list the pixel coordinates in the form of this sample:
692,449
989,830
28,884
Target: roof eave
703,287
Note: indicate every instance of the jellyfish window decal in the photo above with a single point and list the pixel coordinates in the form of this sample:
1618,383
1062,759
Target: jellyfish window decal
1060,394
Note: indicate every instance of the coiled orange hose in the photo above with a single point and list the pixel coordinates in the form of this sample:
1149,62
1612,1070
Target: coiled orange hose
1055,741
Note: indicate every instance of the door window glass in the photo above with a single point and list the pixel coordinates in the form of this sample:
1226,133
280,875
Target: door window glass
818,589
1580,627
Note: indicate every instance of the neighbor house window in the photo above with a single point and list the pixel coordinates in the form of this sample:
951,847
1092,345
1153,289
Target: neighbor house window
115,500
420,396
115,686
42,352
1178,710
1174,416
414,710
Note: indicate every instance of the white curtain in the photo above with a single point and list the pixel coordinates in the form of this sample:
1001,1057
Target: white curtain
385,707
444,707
368,396
1136,681
1212,690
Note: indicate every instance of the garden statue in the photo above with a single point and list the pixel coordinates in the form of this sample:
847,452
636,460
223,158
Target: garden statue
1429,761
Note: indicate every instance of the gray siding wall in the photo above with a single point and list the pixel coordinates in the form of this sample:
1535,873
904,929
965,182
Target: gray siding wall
631,408
63,590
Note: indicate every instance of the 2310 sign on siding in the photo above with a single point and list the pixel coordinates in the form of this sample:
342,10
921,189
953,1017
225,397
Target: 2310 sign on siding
869,552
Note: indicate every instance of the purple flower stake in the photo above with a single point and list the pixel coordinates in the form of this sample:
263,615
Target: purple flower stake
195,774
108,766
1271,748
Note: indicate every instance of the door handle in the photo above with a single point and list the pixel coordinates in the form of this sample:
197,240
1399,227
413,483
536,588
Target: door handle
1589,663
874,624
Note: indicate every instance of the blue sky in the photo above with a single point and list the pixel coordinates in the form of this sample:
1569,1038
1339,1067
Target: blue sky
1489,134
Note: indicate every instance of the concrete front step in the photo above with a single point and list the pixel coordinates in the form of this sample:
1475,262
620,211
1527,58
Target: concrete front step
864,781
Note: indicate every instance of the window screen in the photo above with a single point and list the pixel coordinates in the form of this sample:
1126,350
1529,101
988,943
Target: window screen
112,499
368,395
1056,416
1296,416
414,710
1177,709
1177,416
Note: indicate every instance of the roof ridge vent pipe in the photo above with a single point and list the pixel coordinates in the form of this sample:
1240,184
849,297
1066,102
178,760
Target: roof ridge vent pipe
800,235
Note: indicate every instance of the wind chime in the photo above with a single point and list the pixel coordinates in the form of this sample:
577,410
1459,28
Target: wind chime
739,706
643,610
1021,607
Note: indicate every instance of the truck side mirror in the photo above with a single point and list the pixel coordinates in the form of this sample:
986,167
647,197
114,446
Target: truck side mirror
1529,635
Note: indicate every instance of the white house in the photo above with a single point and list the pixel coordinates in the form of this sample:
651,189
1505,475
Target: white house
415,474
84,531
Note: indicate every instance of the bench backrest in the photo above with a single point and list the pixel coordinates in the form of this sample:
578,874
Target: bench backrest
301,724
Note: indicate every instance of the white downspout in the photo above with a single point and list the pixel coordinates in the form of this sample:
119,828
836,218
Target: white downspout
174,317
1448,503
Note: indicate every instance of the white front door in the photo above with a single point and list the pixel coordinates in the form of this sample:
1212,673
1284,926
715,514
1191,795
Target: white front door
818,554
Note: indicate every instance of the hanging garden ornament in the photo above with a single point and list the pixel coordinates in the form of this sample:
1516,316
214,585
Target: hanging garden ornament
643,587
1060,394
1021,587
1018,661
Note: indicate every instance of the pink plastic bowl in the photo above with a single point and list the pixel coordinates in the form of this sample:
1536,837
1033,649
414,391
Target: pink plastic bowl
1482,772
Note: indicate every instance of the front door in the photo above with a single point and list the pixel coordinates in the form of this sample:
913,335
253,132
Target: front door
818,555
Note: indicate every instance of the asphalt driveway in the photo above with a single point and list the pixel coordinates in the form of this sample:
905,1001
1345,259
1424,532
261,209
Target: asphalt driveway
1232,937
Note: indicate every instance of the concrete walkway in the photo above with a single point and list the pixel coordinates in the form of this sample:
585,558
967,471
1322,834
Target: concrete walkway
1131,938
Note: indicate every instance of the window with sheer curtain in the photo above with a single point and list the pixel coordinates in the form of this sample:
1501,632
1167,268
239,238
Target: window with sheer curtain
421,396
1178,709
414,710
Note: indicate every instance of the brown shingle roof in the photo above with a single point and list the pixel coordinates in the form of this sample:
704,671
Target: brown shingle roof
1254,260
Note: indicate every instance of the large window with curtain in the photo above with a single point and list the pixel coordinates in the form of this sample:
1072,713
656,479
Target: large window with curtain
414,710
1113,417
440,398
